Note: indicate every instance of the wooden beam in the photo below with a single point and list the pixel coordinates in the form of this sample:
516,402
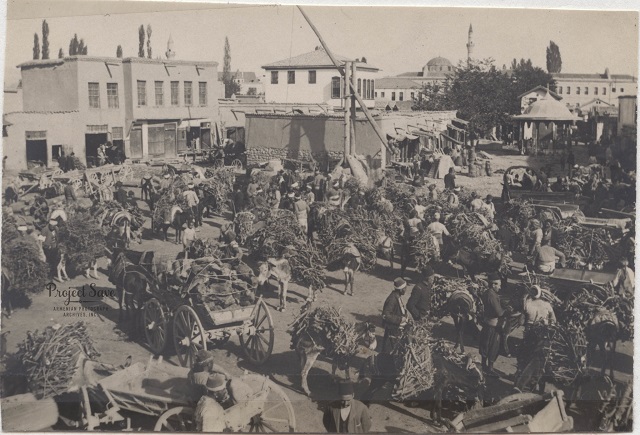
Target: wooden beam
347,120
366,112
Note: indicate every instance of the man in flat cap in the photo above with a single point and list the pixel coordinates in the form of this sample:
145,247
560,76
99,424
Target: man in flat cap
490,336
346,415
394,314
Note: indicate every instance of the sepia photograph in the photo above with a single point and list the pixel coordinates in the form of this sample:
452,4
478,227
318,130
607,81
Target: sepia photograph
307,218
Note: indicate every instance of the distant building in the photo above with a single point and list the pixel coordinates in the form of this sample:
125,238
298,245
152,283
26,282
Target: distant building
148,107
12,98
578,89
434,72
249,82
311,78
535,94
396,89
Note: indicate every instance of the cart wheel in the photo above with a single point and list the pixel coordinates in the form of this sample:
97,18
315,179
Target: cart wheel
155,325
188,335
178,419
237,164
258,343
277,415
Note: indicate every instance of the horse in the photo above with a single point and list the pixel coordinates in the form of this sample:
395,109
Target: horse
602,332
131,280
311,344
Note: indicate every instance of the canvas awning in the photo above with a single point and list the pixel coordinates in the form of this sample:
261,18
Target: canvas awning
456,128
547,109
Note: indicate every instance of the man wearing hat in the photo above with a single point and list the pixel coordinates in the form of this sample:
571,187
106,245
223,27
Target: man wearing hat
625,279
394,314
191,198
346,415
419,303
309,196
489,336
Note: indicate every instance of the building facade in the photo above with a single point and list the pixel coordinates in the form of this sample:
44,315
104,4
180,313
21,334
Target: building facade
578,89
311,78
396,89
148,107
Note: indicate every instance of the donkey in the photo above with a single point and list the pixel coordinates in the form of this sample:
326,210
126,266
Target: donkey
461,306
177,220
280,269
602,332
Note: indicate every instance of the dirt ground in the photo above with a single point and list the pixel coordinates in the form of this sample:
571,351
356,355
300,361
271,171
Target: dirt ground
370,292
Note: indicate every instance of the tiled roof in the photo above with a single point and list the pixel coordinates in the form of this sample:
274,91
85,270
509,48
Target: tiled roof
317,58
411,74
550,92
567,76
396,83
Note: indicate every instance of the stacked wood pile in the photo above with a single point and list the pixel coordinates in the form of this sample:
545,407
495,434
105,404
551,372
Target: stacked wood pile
219,183
220,285
582,245
282,233
205,248
21,257
83,241
417,369
50,358
172,196
243,223
441,291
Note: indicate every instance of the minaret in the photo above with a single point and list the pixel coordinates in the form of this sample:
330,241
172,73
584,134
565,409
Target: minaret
170,53
470,44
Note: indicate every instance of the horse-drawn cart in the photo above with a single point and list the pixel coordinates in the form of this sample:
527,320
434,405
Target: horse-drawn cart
162,392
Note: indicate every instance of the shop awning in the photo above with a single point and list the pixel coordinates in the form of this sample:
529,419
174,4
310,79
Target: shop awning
461,121
456,128
446,136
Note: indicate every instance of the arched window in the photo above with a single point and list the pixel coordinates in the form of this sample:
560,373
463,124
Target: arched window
336,89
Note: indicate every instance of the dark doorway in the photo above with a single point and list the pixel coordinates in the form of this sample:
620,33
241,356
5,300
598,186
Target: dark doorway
37,151
136,143
92,143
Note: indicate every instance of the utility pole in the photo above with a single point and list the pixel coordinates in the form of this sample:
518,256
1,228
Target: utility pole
347,117
352,150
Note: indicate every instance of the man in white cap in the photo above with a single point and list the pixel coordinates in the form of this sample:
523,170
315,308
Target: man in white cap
165,183
438,231
394,315
624,280
191,198
537,309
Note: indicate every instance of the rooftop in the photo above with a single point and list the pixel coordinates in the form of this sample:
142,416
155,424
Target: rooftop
594,76
396,83
113,60
315,59
542,88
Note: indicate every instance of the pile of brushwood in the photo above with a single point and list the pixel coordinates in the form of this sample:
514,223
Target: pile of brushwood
441,291
27,272
172,196
205,248
219,184
561,347
50,359
82,240
413,354
424,249
220,285
582,245
243,223
282,233
515,216
104,212
581,307
326,326
458,394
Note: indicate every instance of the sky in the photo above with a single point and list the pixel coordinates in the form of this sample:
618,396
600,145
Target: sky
395,39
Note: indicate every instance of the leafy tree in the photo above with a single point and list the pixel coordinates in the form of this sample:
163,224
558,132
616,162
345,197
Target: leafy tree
141,41
554,60
82,48
73,45
119,51
45,39
149,41
36,47
230,86
60,54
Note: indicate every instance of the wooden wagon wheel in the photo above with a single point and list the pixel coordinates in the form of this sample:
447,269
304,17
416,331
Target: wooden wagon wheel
188,335
155,325
178,419
259,339
277,415
237,164
40,211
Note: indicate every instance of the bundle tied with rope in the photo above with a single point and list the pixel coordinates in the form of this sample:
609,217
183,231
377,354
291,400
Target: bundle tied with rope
582,245
424,249
105,212
582,306
50,359
220,285
205,248
414,353
441,291
328,324
83,241
282,233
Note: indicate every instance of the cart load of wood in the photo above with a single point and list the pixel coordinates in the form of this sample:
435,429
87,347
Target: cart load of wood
209,247
82,241
26,270
582,306
282,234
50,359
221,285
110,213
424,249
219,183
417,371
326,321
583,245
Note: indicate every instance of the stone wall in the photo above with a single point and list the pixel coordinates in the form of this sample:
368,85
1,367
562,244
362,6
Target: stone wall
264,154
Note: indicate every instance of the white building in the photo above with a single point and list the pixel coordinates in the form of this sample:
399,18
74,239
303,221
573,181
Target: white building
248,81
397,89
579,89
311,78
534,95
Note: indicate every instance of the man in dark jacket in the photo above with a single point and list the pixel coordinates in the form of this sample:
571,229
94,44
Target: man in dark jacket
419,303
346,415
121,194
394,314
450,179
490,336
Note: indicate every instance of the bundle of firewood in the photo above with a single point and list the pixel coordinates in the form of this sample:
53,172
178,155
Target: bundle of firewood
424,249
50,359
244,225
83,241
328,324
417,373
205,248
172,196
441,291
219,183
582,245
281,233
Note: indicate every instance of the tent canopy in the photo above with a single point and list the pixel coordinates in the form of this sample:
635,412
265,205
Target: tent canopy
547,109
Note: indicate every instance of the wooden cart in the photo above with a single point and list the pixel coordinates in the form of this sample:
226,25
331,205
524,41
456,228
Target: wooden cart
519,413
161,390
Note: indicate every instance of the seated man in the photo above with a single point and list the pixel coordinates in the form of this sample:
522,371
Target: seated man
222,392
545,258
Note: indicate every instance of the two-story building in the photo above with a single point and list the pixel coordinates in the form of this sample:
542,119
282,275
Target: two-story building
397,89
311,78
148,107
578,89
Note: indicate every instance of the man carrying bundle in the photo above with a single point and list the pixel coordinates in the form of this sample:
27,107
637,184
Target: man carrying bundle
394,315
490,336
